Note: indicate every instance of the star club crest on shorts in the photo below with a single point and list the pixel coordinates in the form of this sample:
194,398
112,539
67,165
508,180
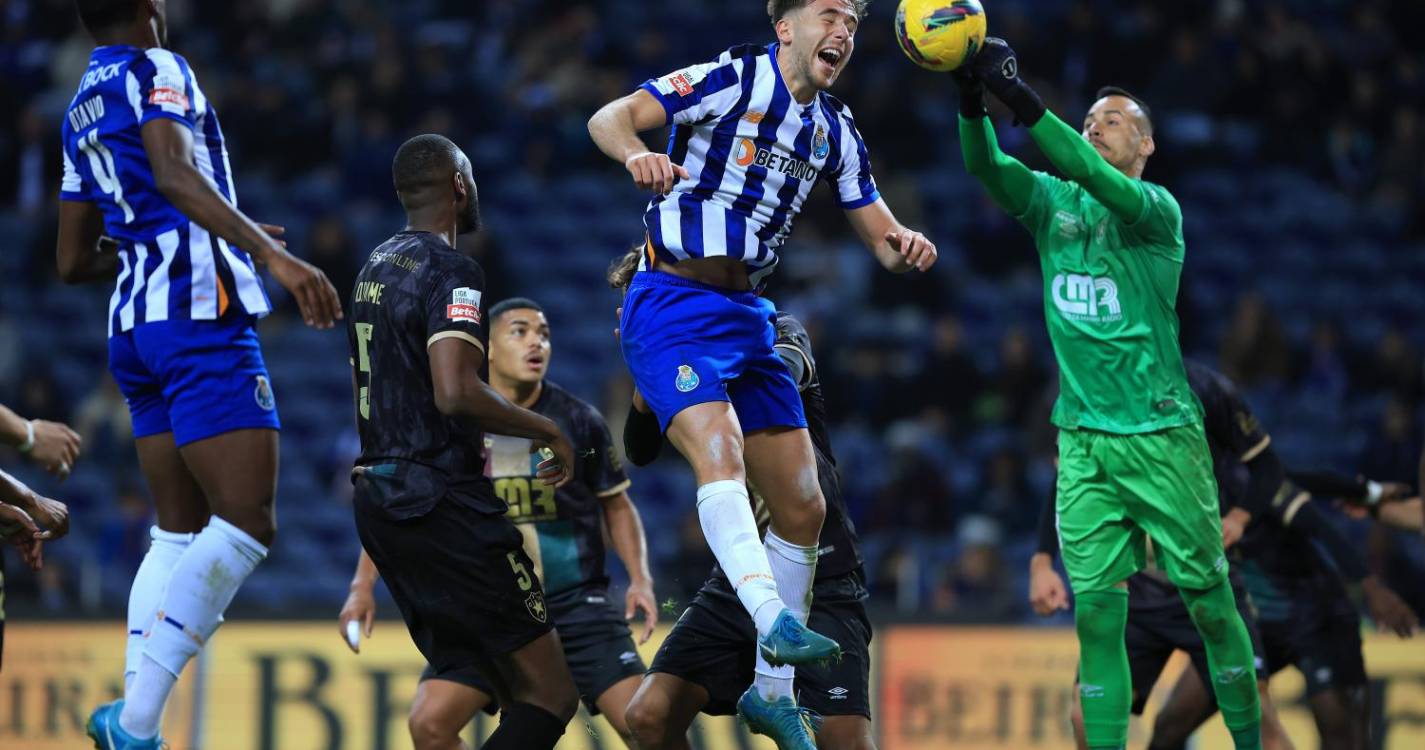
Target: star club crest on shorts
535,604
687,379
263,394
819,146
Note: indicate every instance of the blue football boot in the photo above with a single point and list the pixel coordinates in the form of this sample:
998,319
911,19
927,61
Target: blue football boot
790,642
786,723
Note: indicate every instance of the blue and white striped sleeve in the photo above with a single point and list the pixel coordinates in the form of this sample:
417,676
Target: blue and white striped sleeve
71,185
161,85
855,187
693,93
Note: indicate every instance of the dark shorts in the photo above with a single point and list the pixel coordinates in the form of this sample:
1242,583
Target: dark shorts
462,580
713,646
194,378
1321,638
1154,633
688,343
597,644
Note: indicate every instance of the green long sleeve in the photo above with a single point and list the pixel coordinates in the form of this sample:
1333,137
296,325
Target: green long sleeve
1009,182
1077,159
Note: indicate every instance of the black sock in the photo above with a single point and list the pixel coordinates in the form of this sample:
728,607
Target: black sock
524,726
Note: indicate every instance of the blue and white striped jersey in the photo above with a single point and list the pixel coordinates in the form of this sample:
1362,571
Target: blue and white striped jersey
170,267
752,155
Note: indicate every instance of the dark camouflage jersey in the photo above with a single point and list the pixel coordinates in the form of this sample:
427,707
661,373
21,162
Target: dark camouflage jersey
413,291
838,550
563,528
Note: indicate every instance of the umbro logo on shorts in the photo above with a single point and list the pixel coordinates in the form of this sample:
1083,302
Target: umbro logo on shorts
838,693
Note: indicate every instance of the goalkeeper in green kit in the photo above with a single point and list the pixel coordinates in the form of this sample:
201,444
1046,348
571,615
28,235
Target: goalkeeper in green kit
1133,459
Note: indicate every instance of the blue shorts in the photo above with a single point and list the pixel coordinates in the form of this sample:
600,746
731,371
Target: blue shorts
688,343
194,378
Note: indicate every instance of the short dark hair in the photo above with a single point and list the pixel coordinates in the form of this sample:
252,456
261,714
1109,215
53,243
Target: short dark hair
1126,94
779,8
98,15
513,303
423,162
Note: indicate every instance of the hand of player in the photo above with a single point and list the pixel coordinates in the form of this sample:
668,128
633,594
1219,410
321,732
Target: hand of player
655,172
996,66
1234,525
1047,593
640,597
1389,611
972,92
52,515
557,468
360,607
19,529
618,331
917,250
56,447
316,297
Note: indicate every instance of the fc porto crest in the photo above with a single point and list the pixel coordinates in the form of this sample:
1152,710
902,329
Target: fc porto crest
687,379
819,145
263,394
535,604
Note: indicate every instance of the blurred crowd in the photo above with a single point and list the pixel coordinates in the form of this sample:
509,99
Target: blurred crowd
939,385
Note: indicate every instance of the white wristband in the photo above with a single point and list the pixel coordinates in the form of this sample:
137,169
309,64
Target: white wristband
1373,491
29,443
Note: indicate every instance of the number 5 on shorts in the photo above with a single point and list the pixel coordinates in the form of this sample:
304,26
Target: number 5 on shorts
521,572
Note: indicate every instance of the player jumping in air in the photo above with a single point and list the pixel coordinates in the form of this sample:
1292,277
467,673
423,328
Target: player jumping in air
563,533
705,662
753,131
1133,460
145,164
426,513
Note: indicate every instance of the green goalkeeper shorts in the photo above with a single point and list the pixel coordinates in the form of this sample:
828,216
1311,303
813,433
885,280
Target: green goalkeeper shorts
1115,490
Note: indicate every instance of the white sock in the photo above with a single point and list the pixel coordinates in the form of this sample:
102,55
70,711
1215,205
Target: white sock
150,582
794,567
141,718
203,583
725,511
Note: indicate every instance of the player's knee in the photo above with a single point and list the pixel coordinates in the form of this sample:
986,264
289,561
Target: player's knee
431,730
260,523
647,721
1211,620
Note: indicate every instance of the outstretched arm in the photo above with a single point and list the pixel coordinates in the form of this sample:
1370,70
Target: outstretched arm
1078,161
1009,182
996,67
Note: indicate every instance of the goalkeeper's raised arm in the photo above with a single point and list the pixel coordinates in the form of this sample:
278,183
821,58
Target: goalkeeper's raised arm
1107,158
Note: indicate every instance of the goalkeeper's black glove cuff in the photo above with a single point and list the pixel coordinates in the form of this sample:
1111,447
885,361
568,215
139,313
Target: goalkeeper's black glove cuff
1024,102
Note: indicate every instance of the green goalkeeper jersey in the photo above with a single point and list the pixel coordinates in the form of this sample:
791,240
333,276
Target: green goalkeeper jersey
1111,249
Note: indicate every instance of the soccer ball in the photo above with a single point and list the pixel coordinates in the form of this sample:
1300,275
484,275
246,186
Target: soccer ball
940,35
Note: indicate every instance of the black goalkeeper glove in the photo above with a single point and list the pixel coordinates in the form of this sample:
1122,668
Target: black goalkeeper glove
998,68
972,93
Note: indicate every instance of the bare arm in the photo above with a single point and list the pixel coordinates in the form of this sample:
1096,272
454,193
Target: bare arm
169,146
80,251
461,394
896,248
360,603
52,445
615,128
626,533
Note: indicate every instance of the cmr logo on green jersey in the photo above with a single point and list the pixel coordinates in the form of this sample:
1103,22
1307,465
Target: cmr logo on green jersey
1086,298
